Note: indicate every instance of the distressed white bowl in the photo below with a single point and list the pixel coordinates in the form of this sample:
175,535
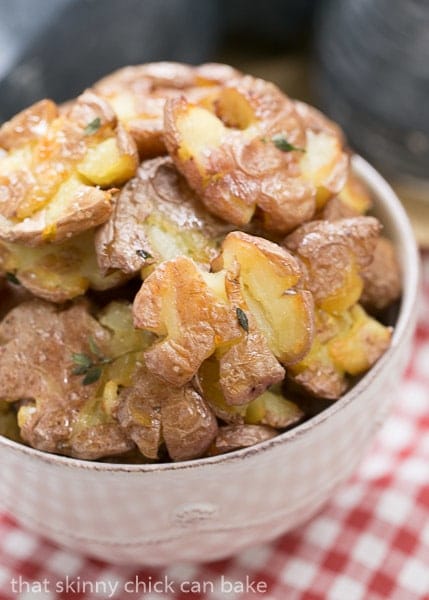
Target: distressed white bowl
207,509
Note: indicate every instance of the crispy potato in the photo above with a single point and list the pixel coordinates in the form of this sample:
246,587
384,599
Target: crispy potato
356,195
382,278
345,344
255,150
188,425
249,311
157,217
137,94
270,281
333,255
335,209
177,302
234,437
58,272
248,367
325,162
230,159
273,409
53,166
60,410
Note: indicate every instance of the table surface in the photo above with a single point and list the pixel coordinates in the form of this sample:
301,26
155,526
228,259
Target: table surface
370,542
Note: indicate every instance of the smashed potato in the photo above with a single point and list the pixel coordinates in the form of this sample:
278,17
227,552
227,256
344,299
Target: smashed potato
58,272
237,333
157,217
381,278
270,281
345,344
189,312
234,437
334,255
249,311
137,94
255,151
54,165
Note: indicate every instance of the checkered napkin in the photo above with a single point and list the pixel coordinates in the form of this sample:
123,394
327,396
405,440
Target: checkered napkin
370,542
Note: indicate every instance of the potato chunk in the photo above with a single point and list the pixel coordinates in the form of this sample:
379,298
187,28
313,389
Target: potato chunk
253,149
346,344
65,358
234,437
382,278
249,311
176,302
58,272
270,281
137,94
157,217
334,255
52,166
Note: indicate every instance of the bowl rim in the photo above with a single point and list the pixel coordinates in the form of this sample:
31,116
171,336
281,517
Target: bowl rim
406,319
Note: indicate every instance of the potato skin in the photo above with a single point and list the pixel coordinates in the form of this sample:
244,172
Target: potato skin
40,339
138,93
234,437
50,173
382,278
233,172
158,198
175,302
58,272
188,425
333,255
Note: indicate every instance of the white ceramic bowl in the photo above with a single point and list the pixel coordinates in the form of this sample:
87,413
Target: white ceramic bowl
210,508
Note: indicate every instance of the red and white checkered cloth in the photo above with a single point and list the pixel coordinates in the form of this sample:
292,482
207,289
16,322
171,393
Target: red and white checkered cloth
370,542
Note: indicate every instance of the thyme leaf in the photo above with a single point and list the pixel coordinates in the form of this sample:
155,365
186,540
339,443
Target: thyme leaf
242,319
93,126
12,278
280,141
143,254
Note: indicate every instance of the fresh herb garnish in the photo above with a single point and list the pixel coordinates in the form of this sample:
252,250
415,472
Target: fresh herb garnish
143,254
12,278
280,141
90,366
242,319
93,126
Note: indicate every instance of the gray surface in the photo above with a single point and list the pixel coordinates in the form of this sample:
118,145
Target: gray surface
55,48
373,77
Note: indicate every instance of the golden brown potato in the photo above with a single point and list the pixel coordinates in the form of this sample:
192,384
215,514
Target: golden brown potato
248,367
137,94
182,304
188,425
273,409
382,278
255,151
250,312
54,165
66,358
356,195
325,162
233,437
333,255
345,344
157,217
270,281
58,272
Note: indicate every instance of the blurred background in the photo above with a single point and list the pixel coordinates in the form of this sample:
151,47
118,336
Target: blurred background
364,62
